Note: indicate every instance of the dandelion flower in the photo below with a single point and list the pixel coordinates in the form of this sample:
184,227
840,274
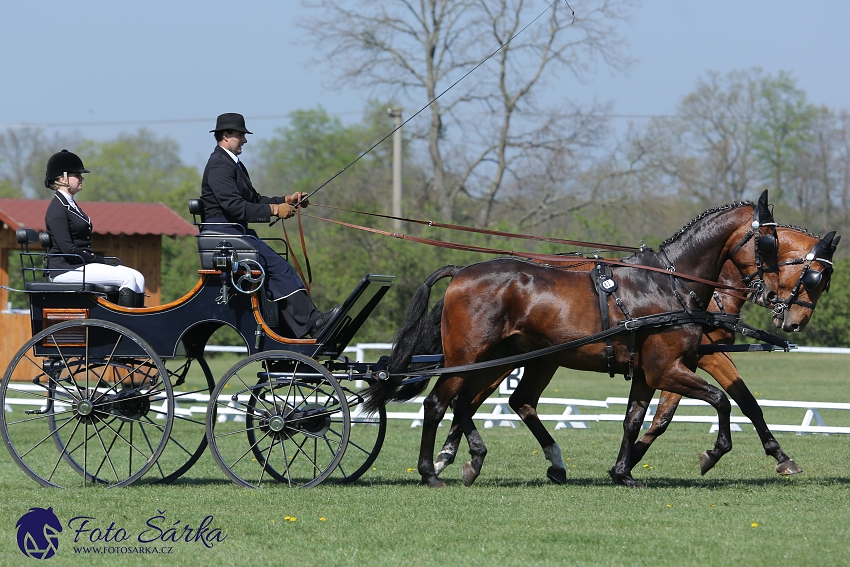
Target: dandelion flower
323,519
645,465
409,469
286,517
292,519
755,524
669,505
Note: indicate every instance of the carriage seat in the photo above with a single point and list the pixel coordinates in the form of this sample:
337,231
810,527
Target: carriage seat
27,236
211,237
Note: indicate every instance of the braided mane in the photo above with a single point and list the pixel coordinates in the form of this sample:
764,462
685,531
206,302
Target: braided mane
798,229
684,229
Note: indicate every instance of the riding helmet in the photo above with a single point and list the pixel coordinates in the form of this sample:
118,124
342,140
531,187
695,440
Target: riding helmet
59,163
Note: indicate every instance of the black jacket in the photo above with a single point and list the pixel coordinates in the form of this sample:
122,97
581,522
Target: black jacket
227,192
70,233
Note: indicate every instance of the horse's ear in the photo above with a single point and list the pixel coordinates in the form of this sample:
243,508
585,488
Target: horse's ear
763,212
835,242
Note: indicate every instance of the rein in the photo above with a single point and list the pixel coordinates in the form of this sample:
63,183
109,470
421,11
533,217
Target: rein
594,245
551,259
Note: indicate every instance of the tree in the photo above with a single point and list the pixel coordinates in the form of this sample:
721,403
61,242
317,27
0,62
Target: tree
784,129
139,167
487,125
23,157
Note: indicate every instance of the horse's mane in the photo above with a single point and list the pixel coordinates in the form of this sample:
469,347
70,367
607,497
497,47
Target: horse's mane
711,211
798,229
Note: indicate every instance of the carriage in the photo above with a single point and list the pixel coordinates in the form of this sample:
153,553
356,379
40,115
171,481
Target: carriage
110,382
105,394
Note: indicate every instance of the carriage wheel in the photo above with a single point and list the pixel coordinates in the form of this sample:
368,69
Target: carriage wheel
188,439
285,408
97,393
364,441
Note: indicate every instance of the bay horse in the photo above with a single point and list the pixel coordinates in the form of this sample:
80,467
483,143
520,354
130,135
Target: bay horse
505,307
795,244
804,284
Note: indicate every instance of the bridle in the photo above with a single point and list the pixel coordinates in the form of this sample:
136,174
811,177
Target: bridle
809,279
766,249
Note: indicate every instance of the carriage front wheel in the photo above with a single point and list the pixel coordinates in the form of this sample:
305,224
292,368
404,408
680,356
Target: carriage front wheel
86,402
278,416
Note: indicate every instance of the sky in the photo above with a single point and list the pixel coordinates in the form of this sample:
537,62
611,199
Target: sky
99,68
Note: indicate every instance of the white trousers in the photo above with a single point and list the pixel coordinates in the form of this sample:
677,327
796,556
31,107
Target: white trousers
105,274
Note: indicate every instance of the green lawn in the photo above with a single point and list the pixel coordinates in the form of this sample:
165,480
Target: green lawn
741,513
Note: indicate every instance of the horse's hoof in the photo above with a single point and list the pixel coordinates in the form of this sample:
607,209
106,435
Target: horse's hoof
624,479
469,474
706,462
788,468
556,475
433,482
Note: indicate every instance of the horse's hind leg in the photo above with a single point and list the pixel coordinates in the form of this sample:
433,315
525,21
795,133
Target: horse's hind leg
639,397
434,407
447,454
722,369
524,402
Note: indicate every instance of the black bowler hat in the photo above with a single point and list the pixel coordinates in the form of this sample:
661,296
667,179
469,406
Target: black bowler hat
230,121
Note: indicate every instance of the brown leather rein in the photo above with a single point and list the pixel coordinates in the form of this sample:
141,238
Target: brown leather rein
552,259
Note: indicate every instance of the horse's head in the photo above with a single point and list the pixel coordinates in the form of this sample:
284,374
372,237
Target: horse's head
756,253
805,269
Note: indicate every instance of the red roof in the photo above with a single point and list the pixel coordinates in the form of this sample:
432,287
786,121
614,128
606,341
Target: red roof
107,218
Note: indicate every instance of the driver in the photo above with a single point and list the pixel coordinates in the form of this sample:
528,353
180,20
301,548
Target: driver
229,197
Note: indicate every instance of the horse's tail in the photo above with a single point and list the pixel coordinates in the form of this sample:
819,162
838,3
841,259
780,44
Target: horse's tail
420,333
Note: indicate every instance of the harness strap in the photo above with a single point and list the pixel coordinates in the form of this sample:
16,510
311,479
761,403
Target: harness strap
666,319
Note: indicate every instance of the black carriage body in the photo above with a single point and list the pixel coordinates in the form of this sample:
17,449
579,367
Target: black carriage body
184,326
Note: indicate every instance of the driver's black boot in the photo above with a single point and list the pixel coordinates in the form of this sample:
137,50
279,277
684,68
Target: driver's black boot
127,297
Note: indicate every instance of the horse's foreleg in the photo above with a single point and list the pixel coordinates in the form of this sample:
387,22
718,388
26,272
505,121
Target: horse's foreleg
524,402
667,404
434,407
680,380
722,369
477,450
639,397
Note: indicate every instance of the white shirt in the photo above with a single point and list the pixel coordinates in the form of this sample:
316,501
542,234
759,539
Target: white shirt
231,154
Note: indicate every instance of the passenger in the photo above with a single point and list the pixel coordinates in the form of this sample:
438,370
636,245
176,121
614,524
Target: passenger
70,232
228,196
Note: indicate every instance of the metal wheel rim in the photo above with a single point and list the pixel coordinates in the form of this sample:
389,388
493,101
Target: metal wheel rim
103,422
303,452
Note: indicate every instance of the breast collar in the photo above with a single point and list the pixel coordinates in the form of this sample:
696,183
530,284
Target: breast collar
73,210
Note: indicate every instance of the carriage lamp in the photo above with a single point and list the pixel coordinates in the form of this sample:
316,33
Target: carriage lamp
224,257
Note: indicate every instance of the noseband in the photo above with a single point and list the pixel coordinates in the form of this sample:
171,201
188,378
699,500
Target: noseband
809,279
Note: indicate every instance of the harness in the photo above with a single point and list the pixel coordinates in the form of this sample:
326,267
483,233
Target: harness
666,319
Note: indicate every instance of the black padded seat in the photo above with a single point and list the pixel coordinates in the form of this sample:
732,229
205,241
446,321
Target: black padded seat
245,246
58,286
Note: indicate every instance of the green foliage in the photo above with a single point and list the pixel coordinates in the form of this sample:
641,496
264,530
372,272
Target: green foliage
139,167
784,128
9,190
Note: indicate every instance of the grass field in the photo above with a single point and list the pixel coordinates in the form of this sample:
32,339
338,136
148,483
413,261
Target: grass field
741,513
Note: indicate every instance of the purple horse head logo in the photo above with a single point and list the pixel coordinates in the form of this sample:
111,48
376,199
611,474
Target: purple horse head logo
38,533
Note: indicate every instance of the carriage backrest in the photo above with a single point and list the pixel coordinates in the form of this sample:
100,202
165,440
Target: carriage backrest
214,236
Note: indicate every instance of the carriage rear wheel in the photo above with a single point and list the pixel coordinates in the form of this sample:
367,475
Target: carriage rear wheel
192,382
279,416
364,441
95,405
